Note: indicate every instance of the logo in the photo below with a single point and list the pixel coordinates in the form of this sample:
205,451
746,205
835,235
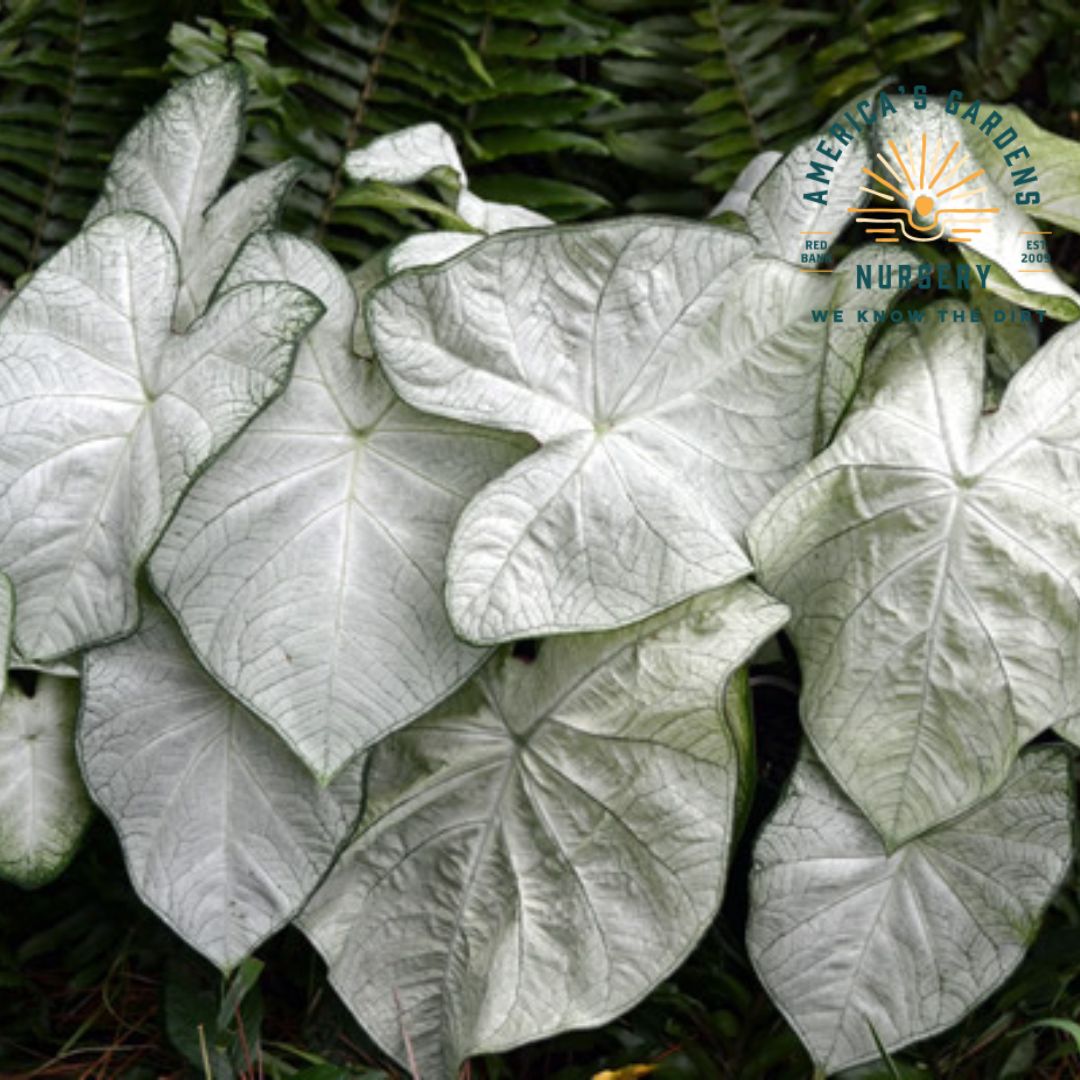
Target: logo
935,194
928,169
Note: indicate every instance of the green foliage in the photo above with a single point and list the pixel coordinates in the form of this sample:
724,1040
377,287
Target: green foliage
755,67
73,75
570,107
330,76
878,40
1007,39
644,124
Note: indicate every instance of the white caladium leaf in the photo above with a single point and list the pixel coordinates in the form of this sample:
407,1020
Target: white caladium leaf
850,940
106,415
922,676
1069,729
576,812
44,809
224,831
406,156
782,219
1056,163
43,805
737,198
940,156
846,342
426,249
172,165
307,567
670,400
426,151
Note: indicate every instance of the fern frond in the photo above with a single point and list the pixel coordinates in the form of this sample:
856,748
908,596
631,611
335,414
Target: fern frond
885,38
1007,39
74,74
330,76
757,70
644,119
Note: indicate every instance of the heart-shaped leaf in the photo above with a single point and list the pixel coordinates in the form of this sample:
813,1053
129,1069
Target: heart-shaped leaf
547,845
671,400
307,565
922,673
172,165
43,805
224,830
107,415
851,941
939,155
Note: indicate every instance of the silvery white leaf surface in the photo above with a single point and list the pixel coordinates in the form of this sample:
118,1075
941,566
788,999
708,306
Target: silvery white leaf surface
548,844
673,379
426,249
224,831
307,566
850,940
106,416
43,805
406,156
44,809
922,674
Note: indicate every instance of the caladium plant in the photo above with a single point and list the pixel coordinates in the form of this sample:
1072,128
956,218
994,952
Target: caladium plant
577,812
413,601
854,942
665,418
922,675
108,414
307,567
44,807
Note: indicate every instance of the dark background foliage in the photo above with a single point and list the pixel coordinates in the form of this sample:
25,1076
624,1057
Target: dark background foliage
575,108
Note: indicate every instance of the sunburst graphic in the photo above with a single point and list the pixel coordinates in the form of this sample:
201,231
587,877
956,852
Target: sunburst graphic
925,209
